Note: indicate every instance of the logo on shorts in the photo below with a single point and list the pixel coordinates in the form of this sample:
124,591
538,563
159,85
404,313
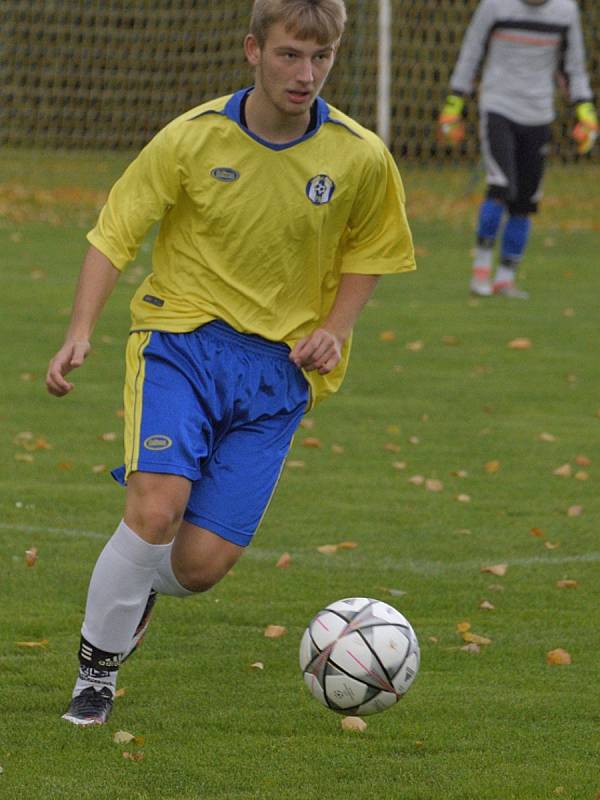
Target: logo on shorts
158,442
320,189
225,174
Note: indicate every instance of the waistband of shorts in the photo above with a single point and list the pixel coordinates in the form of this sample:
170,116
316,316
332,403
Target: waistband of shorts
249,341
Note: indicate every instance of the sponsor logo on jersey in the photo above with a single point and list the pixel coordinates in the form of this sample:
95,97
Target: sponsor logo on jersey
157,442
225,174
154,301
320,189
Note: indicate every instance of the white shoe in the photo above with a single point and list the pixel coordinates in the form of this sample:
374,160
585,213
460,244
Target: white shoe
508,289
481,284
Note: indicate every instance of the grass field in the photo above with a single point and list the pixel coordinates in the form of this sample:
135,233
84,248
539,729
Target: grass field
437,458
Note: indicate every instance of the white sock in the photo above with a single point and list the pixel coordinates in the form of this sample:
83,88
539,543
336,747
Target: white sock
482,259
165,581
504,275
119,588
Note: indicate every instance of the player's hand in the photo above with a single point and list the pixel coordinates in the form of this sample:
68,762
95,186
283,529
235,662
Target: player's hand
450,121
585,131
70,356
322,350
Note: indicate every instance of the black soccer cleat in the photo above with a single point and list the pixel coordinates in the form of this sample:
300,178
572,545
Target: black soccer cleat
90,707
142,627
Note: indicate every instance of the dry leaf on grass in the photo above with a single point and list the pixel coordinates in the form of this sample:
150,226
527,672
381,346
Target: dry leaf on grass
31,556
474,638
574,511
347,545
433,485
566,584
123,737
110,436
564,471
25,457
307,423
416,346
547,437
354,724
311,441
257,665
582,476
551,545
496,569
520,344
485,605
40,645
387,336
399,465
327,549
492,467
284,561
137,756
463,498
392,447
558,656
583,461
537,532
337,449
417,480
471,648
295,464
463,627
120,693
274,631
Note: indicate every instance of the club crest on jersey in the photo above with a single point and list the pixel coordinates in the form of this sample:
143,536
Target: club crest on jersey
320,189
225,174
157,442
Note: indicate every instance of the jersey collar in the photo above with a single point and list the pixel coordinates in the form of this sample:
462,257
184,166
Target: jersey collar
232,111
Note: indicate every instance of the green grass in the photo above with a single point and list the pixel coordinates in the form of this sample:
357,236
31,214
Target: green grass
497,725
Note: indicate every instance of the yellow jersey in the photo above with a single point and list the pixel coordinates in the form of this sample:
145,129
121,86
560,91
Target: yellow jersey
253,233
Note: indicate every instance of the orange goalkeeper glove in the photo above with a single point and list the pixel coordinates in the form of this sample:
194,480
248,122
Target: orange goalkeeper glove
451,125
585,131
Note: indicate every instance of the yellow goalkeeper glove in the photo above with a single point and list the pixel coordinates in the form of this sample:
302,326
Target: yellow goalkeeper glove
585,131
451,125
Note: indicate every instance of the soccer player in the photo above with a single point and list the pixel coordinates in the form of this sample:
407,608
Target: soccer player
524,45
278,214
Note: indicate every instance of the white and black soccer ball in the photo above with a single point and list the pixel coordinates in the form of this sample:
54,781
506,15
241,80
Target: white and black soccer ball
359,656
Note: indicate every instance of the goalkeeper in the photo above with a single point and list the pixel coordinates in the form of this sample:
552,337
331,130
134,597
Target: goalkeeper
523,45
277,213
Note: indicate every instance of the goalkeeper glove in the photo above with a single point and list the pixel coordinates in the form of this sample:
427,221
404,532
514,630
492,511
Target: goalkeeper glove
451,125
585,131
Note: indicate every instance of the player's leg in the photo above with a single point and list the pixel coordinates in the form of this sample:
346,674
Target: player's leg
158,410
498,151
532,148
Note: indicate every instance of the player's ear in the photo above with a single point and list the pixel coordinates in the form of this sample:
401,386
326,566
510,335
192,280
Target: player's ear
252,50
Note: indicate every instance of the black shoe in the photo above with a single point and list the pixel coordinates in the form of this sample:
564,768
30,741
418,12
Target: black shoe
90,707
142,627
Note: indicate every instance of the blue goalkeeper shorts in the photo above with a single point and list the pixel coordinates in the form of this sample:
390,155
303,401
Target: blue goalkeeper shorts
219,408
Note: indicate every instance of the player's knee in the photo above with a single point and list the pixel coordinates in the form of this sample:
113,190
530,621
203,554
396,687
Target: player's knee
154,522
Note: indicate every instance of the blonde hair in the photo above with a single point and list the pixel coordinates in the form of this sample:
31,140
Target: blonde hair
321,20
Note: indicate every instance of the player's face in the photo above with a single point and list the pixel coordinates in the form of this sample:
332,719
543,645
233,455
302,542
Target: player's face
289,71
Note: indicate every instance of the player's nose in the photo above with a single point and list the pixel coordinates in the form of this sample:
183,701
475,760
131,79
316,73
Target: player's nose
305,71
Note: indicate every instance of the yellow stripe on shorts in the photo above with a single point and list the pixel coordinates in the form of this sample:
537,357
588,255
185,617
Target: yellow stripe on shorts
135,372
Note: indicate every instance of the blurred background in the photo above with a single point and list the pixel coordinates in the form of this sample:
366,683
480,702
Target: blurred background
110,73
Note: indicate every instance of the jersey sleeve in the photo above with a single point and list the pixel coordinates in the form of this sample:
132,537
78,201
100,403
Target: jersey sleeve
141,197
473,48
574,62
378,240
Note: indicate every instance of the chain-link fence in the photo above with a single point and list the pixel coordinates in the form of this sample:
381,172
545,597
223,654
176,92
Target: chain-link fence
110,73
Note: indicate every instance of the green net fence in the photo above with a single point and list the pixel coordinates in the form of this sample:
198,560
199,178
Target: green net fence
110,73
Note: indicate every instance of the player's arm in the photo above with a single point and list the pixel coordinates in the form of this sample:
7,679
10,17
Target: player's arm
322,349
96,281
585,131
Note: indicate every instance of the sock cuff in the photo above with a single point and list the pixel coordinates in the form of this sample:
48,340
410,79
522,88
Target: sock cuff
90,656
128,544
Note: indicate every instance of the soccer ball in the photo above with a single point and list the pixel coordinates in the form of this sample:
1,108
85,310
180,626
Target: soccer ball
359,656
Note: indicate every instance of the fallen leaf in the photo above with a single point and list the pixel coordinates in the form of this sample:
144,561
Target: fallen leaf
120,412
433,639
417,480
415,347
485,605
392,447
566,584
65,465
295,464
492,466
274,631
257,665
433,485
27,377
137,756
551,545
337,449
311,441
123,737
563,471
574,511
558,656
474,638
22,438
495,569
41,644
308,423
463,498
583,461
414,440
460,473
393,429
450,341
25,457
37,274
463,627
571,378
328,549
120,693
520,344
581,475
347,545
354,724
472,647
110,436
31,556
537,532
387,336
97,469
284,561
399,465
547,437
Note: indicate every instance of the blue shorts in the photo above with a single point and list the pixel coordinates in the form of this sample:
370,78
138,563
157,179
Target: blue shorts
219,408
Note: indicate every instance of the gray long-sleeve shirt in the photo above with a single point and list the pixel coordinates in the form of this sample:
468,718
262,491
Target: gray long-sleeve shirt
522,47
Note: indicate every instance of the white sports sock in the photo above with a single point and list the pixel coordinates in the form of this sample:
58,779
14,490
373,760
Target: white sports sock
165,581
119,588
504,275
482,258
